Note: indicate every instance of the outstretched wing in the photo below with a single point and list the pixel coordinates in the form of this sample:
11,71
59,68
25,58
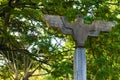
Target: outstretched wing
56,21
103,26
100,26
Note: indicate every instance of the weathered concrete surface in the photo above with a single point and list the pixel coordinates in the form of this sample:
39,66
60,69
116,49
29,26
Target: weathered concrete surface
80,64
78,29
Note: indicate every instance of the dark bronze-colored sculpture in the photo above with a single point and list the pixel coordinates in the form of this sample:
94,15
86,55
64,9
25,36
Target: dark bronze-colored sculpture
78,29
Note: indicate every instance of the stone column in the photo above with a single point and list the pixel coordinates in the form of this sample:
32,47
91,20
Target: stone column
80,32
80,64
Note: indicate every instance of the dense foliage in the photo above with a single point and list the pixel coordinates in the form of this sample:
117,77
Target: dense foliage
28,48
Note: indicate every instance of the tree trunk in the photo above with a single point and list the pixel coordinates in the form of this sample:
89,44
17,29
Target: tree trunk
27,75
25,78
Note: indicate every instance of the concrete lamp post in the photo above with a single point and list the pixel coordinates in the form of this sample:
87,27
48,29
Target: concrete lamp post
80,32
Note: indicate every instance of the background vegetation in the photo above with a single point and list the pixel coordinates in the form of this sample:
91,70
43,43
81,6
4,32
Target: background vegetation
29,50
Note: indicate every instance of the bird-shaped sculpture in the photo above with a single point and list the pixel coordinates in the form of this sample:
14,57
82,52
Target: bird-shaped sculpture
78,29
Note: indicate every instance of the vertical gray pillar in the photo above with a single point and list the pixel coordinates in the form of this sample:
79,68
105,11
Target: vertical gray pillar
80,64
